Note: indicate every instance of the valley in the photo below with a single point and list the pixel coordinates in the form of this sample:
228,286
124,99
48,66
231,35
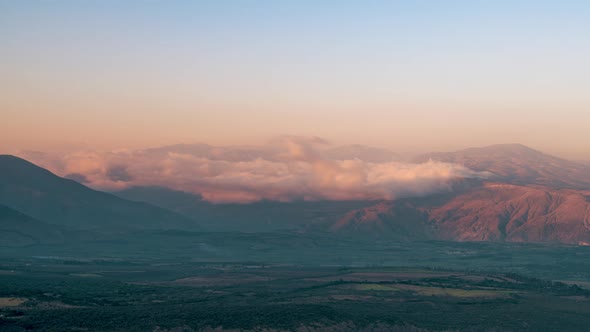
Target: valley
159,294
504,253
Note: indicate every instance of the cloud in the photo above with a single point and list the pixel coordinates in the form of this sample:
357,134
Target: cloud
118,173
287,169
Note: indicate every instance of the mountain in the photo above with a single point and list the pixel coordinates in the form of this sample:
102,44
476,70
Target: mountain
174,200
44,196
365,153
474,211
493,212
515,213
385,220
259,216
518,164
18,229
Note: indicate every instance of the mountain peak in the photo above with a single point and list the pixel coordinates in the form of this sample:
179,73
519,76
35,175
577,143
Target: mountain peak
45,196
8,158
15,170
518,164
501,149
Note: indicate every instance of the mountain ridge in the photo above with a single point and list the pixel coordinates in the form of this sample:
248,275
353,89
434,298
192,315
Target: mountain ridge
495,212
37,192
518,164
18,229
531,199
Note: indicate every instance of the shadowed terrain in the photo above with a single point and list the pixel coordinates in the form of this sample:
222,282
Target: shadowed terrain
42,195
17,229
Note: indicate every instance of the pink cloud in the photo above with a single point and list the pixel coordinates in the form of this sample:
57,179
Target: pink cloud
291,168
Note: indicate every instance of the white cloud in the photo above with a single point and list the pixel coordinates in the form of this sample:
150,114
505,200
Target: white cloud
291,168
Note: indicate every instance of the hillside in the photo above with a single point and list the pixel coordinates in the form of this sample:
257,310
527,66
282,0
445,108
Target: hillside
254,217
18,229
493,212
44,196
518,164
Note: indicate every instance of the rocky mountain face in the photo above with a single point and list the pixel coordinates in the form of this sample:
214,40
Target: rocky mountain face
493,212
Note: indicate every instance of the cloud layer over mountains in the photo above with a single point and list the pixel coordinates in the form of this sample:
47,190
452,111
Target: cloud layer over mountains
290,168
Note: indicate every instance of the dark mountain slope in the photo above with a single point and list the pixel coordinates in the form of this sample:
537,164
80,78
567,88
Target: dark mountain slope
18,229
260,216
44,196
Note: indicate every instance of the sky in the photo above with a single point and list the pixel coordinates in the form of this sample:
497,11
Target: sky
411,76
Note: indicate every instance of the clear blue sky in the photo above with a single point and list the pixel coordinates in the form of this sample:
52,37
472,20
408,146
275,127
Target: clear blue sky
409,75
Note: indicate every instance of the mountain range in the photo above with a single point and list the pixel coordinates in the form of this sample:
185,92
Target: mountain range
18,229
492,212
531,197
518,164
46,197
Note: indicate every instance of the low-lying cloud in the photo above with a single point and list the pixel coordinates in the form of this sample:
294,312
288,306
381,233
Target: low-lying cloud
291,168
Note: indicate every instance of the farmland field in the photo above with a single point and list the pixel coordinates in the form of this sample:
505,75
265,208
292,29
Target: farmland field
65,294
